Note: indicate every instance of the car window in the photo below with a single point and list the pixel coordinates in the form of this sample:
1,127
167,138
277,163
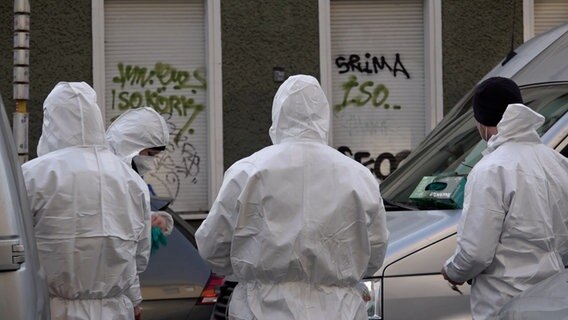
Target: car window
176,263
456,148
564,148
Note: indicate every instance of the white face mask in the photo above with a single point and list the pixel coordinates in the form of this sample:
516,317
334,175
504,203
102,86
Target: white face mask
483,136
144,164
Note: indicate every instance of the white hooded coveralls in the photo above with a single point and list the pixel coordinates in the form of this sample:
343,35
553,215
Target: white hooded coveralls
546,300
134,131
91,212
297,223
513,232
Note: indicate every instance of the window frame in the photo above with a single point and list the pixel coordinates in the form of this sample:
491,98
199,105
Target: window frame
214,94
434,95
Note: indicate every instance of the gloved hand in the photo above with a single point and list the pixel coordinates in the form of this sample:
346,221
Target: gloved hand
158,238
364,291
163,220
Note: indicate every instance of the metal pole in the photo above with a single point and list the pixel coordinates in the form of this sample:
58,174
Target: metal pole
21,76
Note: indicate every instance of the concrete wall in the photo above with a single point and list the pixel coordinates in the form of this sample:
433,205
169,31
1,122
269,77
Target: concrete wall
61,50
257,36
476,36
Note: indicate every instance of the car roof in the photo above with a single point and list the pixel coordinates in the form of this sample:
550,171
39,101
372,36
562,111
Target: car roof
540,59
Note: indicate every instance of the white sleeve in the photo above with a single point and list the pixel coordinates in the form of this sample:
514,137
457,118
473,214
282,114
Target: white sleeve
145,238
480,225
133,293
376,230
142,253
215,234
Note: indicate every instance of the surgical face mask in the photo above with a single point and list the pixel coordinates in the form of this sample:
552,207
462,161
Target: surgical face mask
483,133
144,164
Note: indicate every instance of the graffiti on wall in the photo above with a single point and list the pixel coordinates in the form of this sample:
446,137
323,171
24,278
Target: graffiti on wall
377,165
179,162
368,93
359,93
171,92
166,77
371,64
353,124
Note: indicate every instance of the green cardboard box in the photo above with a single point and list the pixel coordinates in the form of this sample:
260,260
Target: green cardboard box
440,192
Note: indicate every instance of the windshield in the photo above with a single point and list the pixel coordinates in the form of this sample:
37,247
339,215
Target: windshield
455,146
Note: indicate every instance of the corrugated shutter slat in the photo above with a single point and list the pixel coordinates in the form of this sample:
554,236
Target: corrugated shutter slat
144,33
549,14
380,29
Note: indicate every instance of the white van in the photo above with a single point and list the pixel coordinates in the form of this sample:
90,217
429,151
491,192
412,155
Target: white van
423,230
23,288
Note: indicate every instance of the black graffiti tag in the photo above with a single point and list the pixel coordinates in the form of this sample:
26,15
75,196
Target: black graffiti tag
168,171
370,64
364,157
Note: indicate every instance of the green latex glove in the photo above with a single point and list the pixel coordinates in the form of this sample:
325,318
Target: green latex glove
158,238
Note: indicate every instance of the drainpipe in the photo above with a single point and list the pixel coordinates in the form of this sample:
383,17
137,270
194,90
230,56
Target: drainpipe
21,76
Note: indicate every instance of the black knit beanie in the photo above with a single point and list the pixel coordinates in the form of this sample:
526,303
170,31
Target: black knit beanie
491,98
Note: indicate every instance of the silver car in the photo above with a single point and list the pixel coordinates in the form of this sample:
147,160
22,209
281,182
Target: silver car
423,230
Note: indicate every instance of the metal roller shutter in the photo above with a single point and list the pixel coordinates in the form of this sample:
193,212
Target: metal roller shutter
549,14
378,85
155,56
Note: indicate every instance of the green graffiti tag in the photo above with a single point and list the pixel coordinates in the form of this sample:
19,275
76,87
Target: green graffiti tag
377,95
163,74
165,77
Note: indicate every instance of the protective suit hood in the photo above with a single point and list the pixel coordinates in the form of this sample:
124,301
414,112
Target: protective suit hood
136,130
71,117
519,123
300,111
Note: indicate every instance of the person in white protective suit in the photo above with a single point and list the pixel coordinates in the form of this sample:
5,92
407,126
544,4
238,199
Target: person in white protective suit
136,137
546,300
513,232
91,211
297,224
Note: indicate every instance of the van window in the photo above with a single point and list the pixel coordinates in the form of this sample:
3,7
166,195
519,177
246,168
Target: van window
456,148
564,147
